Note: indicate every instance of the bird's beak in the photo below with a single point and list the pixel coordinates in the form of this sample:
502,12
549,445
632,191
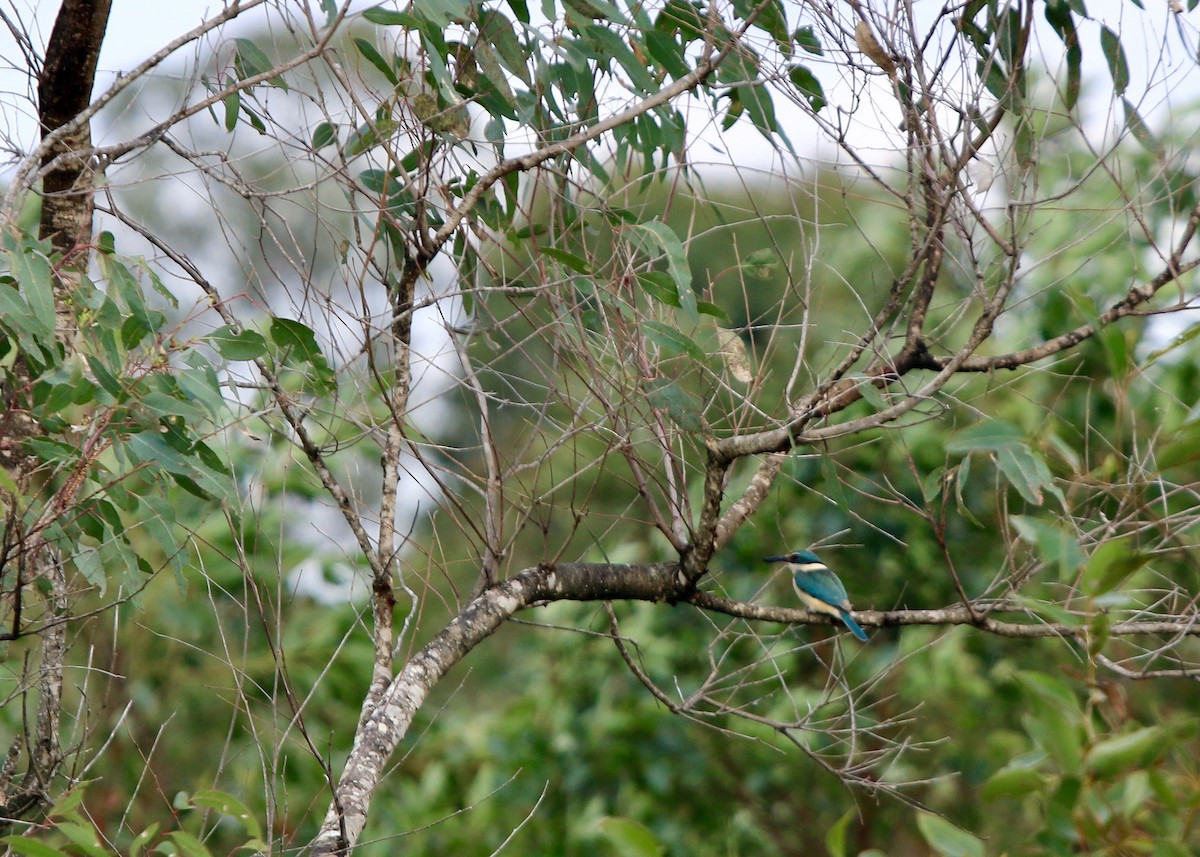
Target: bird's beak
775,559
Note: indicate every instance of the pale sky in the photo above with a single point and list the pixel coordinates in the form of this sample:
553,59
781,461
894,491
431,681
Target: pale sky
1159,46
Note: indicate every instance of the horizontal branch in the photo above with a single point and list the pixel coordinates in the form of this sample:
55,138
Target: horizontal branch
957,614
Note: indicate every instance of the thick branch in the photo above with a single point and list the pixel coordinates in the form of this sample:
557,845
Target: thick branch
387,725
64,89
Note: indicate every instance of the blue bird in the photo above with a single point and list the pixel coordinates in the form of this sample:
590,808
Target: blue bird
819,588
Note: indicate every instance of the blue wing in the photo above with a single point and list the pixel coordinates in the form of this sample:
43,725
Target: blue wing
823,586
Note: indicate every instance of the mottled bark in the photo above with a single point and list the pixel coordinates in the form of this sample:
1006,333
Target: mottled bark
64,90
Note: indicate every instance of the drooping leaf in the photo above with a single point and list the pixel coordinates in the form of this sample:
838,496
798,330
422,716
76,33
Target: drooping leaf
684,409
249,60
371,54
672,342
1111,564
835,837
1139,129
188,844
1013,781
31,269
1058,15
576,263
807,40
230,806
984,437
1114,55
238,345
443,12
232,103
1120,753
948,839
808,86
30,847
668,53
299,343
631,838
1026,471
390,18
656,234
1057,545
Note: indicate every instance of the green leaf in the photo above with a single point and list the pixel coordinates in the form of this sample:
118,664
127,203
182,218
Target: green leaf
1111,564
152,448
684,409
671,341
442,12
1121,753
1179,341
300,343
711,309
946,838
667,52
230,806
33,273
232,103
1049,689
1140,130
201,385
143,839
66,805
325,134
1049,610
662,237
83,837
1164,847
250,61
1114,55
835,839
984,437
31,847
238,345
498,32
1056,544
1010,782
576,263
604,42
1025,471
1058,15
376,59
166,294
105,378
808,86
391,18
188,844
89,564
806,39
157,515
630,838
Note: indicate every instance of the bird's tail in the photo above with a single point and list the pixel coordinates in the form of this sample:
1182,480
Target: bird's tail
854,627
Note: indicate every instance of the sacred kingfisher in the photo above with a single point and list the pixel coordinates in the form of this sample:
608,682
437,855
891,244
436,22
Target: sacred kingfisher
819,588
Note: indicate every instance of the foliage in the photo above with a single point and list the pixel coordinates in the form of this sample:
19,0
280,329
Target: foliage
482,362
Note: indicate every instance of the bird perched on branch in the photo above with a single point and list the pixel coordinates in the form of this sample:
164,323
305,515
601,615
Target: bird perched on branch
819,588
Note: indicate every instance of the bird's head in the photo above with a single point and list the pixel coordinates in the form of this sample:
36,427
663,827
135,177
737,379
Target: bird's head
801,558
